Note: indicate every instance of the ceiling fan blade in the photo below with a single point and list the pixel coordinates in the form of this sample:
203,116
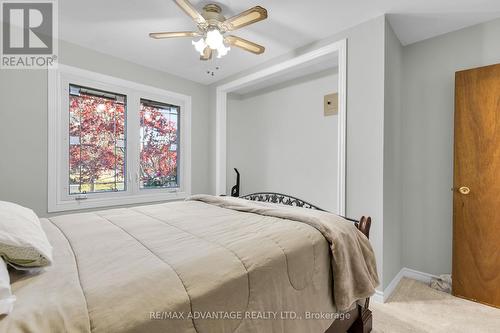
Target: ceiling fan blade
207,54
245,44
161,35
245,18
189,9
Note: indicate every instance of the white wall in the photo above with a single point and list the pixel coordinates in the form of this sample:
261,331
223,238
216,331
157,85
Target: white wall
280,141
399,164
427,137
365,122
23,176
400,137
23,122
365,128
392,156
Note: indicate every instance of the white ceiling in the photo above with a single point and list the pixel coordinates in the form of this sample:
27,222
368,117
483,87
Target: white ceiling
327,64
120,28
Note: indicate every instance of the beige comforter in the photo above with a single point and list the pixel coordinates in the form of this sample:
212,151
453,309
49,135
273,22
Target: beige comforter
205,265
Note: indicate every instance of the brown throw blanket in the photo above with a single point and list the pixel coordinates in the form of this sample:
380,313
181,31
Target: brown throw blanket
353,261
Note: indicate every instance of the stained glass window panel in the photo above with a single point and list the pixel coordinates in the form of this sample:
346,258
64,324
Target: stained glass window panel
159,145
97,149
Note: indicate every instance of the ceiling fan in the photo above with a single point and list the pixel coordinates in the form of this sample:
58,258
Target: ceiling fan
212,27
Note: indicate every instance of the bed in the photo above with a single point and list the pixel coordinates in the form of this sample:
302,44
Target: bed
209,264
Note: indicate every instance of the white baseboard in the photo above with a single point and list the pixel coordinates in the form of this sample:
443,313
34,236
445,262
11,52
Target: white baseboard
382,296
417,275
392,285
378,297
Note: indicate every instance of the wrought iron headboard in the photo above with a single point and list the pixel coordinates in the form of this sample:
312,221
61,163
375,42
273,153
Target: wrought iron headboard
285,199
363,224
280,198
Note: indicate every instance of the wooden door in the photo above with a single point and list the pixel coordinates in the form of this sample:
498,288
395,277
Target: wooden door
476,198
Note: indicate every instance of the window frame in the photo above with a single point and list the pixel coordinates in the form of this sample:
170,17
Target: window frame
59,198
179,139
66,139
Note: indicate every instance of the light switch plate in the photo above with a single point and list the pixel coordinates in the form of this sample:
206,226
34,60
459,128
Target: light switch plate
331,104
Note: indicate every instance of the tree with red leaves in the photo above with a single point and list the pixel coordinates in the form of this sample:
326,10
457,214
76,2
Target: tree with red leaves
158,147
96,152
97,145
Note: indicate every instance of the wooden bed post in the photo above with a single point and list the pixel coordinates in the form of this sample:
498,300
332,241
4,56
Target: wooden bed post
364,225
362,324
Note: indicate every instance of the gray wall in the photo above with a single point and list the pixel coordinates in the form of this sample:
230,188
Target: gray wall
392,155
427,137
23,122
281,141
399,133
365,122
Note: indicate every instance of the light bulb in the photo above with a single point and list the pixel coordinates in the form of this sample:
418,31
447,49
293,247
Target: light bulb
222,51
199,45
214,39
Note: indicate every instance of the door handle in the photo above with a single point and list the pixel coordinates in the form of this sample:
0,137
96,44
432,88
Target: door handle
464,190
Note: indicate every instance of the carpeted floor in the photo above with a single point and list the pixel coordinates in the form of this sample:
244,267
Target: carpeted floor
415,307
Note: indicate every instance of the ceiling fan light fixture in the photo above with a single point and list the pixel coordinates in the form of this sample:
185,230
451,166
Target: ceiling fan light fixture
199,45
222,51
212,27
214,39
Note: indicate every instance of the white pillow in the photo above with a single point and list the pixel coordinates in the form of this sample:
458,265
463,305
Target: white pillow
22,239
6,298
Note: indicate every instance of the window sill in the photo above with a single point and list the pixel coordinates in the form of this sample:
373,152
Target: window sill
69,205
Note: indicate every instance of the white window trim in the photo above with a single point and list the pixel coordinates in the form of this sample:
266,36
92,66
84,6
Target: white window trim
58,114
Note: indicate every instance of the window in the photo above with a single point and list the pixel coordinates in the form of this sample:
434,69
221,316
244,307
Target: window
115,142
159,142
96,141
